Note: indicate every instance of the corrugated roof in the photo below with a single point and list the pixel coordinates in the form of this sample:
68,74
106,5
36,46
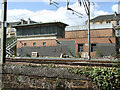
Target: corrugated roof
92,27
23,25
106,17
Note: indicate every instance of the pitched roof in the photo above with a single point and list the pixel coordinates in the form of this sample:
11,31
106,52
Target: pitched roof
106,17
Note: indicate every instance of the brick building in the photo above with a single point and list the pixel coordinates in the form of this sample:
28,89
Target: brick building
52,39
39,35
103,39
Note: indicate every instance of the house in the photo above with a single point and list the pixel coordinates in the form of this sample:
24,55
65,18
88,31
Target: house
111,18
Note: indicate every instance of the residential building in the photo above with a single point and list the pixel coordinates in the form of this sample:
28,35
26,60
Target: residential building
111,18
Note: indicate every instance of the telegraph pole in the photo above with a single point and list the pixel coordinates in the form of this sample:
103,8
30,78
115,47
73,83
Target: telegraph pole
86,4
89,31
3,31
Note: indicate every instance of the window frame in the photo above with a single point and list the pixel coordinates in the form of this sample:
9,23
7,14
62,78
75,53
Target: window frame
25,44
93,47
44,44
80,47
34,43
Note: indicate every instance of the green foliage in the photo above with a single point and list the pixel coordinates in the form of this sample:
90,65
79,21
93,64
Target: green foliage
118,56
106,78
16,78
78,55
57,82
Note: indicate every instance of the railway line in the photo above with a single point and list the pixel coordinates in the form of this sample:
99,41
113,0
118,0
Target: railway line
66,61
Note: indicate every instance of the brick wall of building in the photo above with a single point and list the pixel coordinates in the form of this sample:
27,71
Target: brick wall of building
93,33
84,41
39,43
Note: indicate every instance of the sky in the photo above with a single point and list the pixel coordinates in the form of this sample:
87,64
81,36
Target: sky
42,11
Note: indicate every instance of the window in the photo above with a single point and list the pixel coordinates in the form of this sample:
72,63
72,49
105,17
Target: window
80,48
34,44
108,21
93,47
25,44
44,43
12,30
117,22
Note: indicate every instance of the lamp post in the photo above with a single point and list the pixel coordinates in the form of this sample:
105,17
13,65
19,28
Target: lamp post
3,31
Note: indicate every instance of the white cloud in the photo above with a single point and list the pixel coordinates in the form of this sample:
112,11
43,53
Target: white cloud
60,0
115,8
62,14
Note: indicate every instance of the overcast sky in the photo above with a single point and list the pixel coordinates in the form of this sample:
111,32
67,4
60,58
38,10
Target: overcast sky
43,12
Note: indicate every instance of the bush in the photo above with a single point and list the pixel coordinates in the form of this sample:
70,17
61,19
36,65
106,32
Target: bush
78,55
106,78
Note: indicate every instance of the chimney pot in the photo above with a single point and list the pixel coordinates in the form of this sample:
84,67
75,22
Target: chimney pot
22,21
29,20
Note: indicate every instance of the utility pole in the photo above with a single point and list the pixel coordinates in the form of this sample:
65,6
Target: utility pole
3,31
89,57
86,4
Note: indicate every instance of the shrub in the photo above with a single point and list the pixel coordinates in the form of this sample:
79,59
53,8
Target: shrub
106,78
78,55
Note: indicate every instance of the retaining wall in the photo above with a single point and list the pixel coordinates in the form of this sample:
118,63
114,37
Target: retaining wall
43,77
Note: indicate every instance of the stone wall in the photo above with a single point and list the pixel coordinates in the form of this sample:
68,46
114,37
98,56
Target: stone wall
43,77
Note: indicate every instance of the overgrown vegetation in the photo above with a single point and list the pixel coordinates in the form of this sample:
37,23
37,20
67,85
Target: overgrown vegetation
57,82
78,55
106,78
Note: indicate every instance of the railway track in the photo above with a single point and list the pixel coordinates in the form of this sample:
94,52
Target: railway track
66,61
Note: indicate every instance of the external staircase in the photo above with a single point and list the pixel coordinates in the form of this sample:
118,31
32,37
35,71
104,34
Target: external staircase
9,47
